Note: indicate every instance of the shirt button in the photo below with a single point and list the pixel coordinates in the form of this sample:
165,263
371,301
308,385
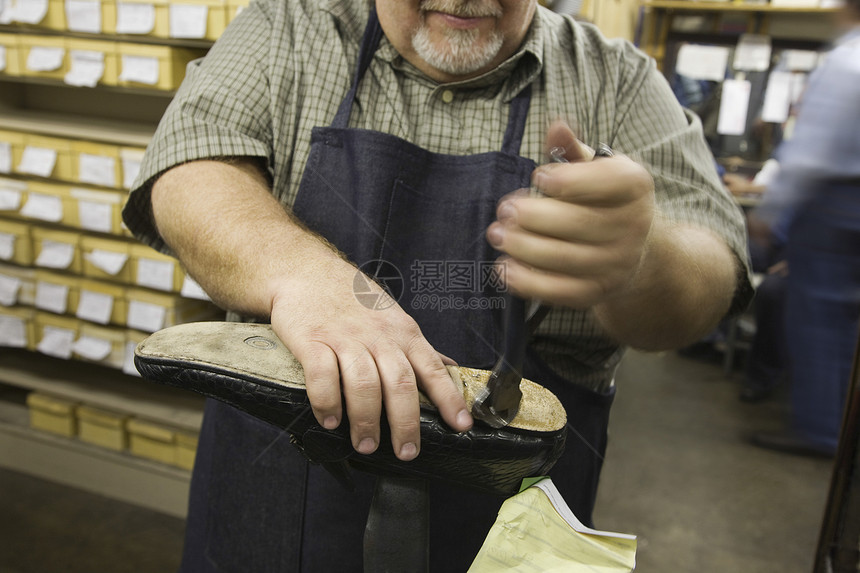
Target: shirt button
447,96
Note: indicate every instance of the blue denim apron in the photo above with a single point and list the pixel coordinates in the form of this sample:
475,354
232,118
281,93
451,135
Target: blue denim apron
256,505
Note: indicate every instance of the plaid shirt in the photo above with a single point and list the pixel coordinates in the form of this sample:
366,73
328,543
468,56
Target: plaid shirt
283,67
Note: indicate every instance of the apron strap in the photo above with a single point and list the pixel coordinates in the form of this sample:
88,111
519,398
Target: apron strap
519,110
369,43
519,106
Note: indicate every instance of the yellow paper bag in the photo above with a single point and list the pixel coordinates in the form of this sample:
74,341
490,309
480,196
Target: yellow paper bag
536,531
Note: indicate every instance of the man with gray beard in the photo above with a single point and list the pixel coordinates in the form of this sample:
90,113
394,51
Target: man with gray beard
319,138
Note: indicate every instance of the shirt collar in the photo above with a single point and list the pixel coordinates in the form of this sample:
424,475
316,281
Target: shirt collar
512,75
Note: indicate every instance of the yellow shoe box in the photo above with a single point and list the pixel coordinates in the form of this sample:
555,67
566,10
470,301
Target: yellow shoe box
47,14
98,210
45,156
198,19
55,334
10,64
151,66
96,164
52,414
103,345
106,259
149,311
102,303
17,285
84,55
17,327
152,441
56,292
50,202
137,17
56,249
11,148
43,56
186,449
152,269
102,427
13,195
16,244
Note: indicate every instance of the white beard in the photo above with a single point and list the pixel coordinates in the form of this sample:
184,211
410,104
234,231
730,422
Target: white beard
458,53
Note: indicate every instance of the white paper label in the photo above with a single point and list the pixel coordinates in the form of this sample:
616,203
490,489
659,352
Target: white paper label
107,261
95,307
5,157
92,348
45,58
7,246
128,360
86,68
43,207
52,297
97,169
31,11
9,287
13,331
145,316
2,58
130,169
95,216
84,16
733,107
188,20
55,255
752,53
190,289
7,11
155,274
702,62
38,161
140,69
134,18
777,97
10,199
57,342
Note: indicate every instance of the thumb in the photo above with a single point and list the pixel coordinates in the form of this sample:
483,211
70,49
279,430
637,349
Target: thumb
560,135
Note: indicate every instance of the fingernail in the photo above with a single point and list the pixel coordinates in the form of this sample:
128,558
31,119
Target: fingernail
367,446
330,423
464,420
408,451
506,211
495,235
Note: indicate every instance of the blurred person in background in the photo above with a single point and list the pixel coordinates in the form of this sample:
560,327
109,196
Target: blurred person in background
817,194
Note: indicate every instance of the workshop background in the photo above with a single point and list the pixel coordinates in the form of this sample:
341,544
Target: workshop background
95,464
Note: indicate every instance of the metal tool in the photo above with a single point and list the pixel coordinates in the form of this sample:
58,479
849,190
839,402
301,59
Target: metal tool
499,401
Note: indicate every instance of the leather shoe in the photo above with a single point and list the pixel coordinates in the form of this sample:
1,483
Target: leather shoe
248,367
791,443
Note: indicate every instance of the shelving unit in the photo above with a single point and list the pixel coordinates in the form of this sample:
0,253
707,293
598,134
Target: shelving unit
114,112
658,15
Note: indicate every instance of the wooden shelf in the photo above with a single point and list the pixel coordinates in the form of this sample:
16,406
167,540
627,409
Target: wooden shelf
101,386
77,127
716,6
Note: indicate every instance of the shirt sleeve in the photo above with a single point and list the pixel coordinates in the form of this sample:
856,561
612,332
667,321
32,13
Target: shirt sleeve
656,131
220,110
